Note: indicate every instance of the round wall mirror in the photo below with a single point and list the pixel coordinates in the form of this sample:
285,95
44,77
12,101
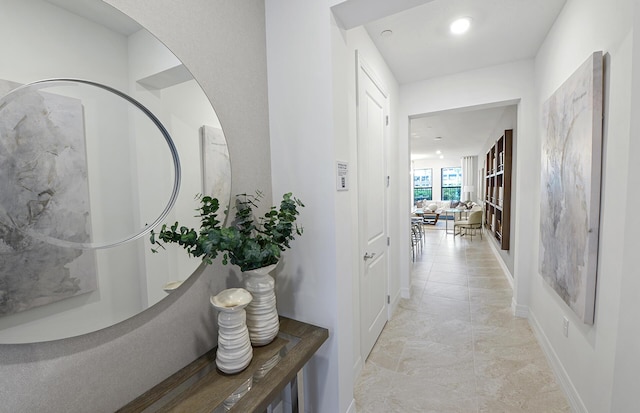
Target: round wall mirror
86,172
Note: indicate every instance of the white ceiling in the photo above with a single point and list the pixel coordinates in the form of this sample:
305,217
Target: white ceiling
462,133
502,31
422,47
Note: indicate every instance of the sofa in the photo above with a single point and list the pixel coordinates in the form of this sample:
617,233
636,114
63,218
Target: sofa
431,210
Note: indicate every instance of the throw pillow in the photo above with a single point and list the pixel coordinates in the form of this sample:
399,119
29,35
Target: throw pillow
433,207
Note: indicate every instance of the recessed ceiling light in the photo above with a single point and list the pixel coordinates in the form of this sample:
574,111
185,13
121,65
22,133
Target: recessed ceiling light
386,33
441,156
460,25
438,152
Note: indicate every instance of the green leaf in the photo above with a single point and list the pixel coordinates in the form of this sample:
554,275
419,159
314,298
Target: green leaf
249,242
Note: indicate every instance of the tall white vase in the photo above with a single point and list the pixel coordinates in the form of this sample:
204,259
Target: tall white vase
234,347
262,315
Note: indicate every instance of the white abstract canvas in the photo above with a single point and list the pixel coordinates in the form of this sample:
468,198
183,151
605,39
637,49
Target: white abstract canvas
216,166
570,187
44,197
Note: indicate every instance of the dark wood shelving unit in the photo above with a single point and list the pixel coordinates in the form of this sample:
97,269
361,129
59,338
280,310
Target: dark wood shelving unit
497,202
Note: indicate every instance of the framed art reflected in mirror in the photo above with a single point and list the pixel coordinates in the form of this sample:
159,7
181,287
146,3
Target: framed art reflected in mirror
123,178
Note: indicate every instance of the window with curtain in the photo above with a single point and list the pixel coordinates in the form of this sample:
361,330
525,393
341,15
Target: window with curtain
451,183
422,184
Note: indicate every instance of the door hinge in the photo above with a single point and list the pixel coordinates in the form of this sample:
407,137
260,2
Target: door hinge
388,299
388,241
387,120
388,181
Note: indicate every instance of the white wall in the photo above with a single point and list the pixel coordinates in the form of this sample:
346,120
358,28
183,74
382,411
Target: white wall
501,85
312,94
626,380
303,161
586,358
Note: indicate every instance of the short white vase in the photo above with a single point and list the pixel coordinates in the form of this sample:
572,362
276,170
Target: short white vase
262,315
234,347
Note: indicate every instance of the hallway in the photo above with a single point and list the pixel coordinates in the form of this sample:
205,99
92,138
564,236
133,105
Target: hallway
454,346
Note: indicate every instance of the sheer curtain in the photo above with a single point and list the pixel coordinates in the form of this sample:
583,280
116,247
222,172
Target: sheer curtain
468,178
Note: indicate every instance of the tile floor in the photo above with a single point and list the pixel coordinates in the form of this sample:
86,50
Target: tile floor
454,346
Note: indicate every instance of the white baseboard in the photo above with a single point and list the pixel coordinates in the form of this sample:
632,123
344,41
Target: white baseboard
521,311
405,293
357,368
395,302
505,269
352,407
577,405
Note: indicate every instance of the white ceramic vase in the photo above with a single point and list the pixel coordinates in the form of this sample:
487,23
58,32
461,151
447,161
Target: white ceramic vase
234,347
262,315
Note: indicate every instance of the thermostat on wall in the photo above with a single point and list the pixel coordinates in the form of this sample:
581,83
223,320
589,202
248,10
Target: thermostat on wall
342,176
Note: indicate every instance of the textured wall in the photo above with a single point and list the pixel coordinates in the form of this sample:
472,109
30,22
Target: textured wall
587,356
223,44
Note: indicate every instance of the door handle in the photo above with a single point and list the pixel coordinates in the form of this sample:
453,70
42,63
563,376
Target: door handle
368,256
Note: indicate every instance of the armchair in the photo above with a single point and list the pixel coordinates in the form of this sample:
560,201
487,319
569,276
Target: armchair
469,225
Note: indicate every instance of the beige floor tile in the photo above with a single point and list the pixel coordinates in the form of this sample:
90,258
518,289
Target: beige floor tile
551,402
483,262
445,267
483,296
420,275
409,304
413,326
485,271
454,259
517,333
492,283
444,308
401,393
453,291
448,277
474,252
387,351
449,366
419,283
520,384
494,316
455,345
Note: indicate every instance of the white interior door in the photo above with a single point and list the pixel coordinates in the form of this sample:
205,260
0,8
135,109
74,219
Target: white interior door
372,183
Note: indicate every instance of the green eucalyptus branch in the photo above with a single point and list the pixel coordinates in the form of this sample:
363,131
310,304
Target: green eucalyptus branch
249,242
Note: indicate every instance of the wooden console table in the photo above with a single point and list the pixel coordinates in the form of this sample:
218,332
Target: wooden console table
201,387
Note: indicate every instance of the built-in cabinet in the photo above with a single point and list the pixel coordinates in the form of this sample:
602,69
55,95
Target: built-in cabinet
497,182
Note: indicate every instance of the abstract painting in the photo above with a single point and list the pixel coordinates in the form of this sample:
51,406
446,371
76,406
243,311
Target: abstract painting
216,166
44,197
570,187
